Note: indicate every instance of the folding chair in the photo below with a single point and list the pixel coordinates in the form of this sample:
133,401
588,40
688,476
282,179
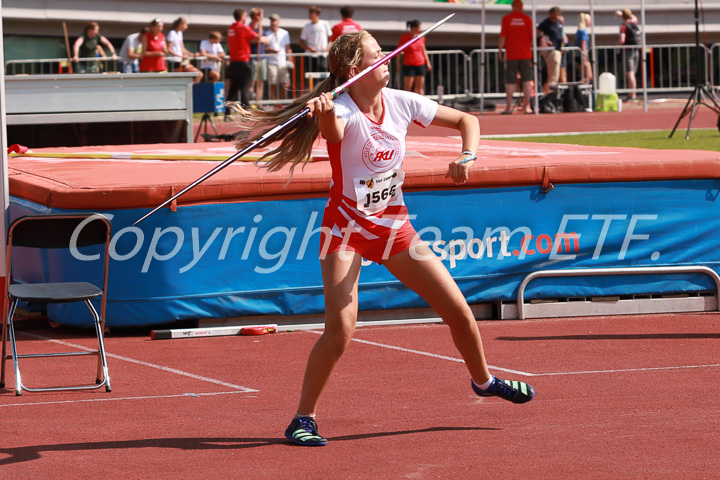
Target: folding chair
58,231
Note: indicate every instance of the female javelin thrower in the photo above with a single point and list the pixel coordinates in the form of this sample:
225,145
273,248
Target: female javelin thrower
366,216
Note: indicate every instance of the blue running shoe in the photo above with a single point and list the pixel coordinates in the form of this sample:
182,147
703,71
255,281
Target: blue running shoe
510,390
303,431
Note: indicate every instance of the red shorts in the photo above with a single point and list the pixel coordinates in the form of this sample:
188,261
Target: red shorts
377,250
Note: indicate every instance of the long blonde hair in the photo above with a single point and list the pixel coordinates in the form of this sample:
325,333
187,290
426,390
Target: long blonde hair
297,140
584,20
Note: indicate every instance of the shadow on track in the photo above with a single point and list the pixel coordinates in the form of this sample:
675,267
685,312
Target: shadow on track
34,452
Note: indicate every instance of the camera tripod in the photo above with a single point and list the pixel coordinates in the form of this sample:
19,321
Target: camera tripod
209,137
701,94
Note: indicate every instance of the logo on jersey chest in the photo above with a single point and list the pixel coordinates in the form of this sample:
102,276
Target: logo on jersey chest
381,152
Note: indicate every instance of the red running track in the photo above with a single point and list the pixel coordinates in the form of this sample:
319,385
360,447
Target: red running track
617,397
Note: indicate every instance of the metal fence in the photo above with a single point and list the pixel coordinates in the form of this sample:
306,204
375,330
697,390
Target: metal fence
670,68
492,83
715,65
455,73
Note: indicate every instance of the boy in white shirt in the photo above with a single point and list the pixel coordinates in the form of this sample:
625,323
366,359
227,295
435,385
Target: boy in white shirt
214,54
277,62
130,52
315,39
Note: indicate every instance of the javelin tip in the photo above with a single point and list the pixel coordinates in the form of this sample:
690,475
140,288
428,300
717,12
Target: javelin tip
436,25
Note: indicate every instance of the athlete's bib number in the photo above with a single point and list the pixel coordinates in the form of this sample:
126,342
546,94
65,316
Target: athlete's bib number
375,192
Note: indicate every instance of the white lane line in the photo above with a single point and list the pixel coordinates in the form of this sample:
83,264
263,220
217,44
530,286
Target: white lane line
105,399
620,370
519,372
148,364
428,354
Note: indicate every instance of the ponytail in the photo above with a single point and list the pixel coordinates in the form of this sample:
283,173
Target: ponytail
296,141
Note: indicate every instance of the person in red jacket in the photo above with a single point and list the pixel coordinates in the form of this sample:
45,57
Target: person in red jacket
154,48
239,72
516,37
346,25
416,62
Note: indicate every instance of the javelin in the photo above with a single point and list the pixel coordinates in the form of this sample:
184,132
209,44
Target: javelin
279,128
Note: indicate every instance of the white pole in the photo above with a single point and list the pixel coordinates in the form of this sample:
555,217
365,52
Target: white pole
535,59
4,197
591,49
482,62
643,55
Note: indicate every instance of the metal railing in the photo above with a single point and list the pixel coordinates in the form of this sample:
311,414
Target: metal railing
493,81
582,272
455,73
670,68
715,65
449,71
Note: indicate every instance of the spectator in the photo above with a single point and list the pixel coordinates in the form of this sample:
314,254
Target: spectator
630,35
315,40
130,52
346,25
214,55
516,36
89,45
277,63
582,41
180,56
258,61
416,62
154,48
551,30
563,57
239,72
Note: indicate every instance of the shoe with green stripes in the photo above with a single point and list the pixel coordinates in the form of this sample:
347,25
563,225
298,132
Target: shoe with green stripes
303,431
510,390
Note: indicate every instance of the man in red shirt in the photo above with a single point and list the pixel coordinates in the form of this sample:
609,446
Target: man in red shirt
346,25
239,72
516,36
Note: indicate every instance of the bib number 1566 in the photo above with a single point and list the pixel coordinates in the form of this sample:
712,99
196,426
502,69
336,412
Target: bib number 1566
377,197
375,192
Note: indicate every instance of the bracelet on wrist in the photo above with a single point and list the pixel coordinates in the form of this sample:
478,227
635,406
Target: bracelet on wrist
471,157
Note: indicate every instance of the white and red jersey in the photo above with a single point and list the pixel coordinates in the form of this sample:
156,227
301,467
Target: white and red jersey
367,173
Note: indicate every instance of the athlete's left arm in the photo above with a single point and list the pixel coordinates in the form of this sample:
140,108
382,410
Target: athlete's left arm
469,129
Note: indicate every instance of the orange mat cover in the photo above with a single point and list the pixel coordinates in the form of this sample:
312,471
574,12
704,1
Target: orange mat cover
129,177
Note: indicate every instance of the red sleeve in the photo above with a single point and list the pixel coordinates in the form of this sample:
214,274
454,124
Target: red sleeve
249,33
336,30
530,29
